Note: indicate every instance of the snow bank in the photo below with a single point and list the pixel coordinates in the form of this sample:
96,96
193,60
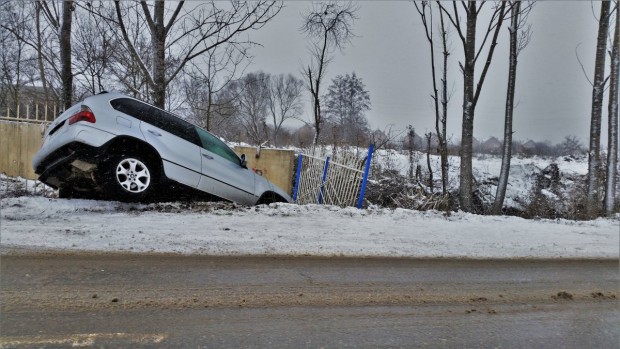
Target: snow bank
281,229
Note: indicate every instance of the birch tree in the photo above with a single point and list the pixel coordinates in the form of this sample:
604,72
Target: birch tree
518,41
612,126
329,26
598,89
471,90
441,114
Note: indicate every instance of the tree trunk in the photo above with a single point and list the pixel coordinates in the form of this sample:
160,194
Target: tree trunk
510,97
612,129
443,138
158,41
428,161
467,133
66,74
317,116
598,88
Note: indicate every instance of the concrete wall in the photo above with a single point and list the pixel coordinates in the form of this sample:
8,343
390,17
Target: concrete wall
19,141
274,164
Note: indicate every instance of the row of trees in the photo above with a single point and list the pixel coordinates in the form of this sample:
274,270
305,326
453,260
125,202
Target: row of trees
79,48
192,58
178,56
462,18
255,108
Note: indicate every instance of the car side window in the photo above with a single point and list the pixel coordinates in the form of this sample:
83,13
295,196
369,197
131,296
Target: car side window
216,146
157,117
173,124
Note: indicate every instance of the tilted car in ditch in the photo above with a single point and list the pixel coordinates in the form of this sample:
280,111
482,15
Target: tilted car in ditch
114,146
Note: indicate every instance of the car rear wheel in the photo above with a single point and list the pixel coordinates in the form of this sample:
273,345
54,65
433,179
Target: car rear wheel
130,178
269,198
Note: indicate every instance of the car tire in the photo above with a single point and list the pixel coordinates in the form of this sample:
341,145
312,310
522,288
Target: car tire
269,198
130,178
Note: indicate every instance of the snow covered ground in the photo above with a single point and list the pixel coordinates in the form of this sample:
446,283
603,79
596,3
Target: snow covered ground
486,168
39,223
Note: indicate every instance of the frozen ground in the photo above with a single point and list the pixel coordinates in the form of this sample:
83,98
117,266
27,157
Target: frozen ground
486,168
39,223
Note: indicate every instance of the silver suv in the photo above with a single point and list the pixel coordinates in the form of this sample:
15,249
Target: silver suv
114,146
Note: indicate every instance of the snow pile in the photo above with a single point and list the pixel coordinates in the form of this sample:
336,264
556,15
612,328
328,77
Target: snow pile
283,229
14,187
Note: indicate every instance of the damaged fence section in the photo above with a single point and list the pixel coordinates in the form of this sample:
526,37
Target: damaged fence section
336,179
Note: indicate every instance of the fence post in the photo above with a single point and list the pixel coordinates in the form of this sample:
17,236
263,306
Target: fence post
360,200
320,199
297,177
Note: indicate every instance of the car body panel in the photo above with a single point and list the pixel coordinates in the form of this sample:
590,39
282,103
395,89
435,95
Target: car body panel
181,158
226,179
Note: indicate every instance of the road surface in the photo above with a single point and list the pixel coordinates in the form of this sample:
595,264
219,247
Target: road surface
171,301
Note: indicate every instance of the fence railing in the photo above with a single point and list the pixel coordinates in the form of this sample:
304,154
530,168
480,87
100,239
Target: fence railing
30,112
336,179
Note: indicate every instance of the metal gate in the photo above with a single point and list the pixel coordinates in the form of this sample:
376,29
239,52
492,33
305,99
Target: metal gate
336,179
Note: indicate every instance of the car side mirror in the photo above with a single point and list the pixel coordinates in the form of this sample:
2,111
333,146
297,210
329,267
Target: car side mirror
244,161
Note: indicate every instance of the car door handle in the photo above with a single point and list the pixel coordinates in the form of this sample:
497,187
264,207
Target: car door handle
208,156
155,133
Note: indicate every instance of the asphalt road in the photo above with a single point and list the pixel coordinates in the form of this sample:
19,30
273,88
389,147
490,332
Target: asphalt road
112,301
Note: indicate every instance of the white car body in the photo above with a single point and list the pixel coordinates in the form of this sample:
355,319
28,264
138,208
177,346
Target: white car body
81,143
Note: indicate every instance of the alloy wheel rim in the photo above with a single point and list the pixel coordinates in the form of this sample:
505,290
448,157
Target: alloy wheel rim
133,175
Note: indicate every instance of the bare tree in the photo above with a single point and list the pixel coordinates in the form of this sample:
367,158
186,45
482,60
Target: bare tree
93,52
571,146
12,51
471,93
40,41
252,105
329,26
598,89
518,41
284,101
612,127
182,35
59,22
208,77
441,115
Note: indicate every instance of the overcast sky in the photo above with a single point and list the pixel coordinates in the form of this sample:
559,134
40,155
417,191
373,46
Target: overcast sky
391,55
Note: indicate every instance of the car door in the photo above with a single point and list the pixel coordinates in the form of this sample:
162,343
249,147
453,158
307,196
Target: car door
176,141
222,173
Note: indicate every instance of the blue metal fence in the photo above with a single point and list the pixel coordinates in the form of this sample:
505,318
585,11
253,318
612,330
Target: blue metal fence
335,179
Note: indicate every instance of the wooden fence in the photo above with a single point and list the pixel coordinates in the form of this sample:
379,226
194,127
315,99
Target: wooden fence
28,112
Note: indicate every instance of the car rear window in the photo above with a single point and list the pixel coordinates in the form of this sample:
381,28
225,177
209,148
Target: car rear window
158,118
